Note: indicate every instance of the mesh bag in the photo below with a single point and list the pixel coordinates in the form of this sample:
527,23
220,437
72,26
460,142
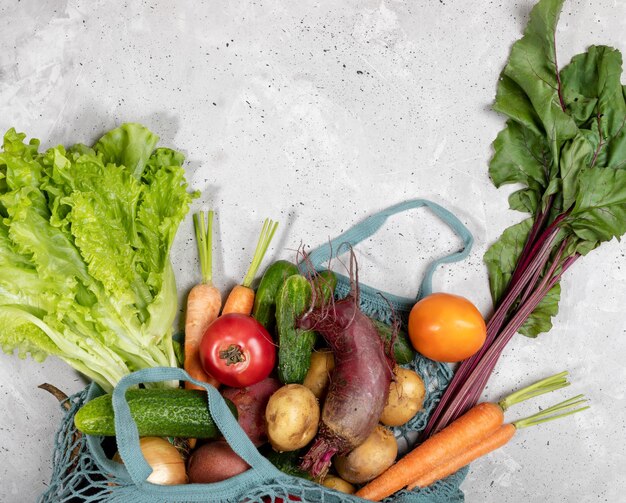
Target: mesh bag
82,472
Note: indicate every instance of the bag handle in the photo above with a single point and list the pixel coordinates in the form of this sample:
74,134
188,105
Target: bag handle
127,435
368,227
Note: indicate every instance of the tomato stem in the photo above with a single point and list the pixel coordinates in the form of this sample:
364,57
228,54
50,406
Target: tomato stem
232,354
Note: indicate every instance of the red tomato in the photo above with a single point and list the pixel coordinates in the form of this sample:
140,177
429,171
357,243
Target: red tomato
237,350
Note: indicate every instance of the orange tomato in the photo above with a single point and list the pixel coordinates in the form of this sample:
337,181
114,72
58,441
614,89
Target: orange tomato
446,328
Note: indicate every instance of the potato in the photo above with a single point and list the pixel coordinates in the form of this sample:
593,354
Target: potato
213,462
369,459
406,397
338,484
318,376
292,416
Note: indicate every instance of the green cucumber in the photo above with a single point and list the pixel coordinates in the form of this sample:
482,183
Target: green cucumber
295,345
264,310
288,462
403,351
156,412
327,281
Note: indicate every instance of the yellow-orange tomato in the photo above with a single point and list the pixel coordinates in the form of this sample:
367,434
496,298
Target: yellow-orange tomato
446,328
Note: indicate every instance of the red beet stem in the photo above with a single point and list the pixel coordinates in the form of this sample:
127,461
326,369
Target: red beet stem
318,459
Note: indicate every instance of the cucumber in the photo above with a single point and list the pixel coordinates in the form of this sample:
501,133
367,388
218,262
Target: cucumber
402,349
264,310
295,345
327,282
156,412
288,462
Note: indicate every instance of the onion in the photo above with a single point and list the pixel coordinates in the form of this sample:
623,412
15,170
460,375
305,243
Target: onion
168,466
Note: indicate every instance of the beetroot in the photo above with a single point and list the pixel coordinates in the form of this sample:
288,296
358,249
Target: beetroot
359,383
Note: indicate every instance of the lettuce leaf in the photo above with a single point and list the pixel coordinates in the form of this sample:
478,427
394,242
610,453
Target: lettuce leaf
85,240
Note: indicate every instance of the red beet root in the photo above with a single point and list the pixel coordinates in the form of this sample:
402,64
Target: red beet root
359,383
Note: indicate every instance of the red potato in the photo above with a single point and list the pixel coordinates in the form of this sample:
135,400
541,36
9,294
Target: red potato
251,402
359,383
213,462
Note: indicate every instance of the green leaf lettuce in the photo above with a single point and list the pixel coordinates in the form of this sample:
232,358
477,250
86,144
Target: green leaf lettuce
85,239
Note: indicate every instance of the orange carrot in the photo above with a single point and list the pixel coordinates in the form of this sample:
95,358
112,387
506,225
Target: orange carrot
472,427
496,440
241,298
203,303
477,423
492,442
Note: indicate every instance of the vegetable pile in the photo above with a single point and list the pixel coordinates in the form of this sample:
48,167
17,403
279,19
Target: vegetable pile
315,383
323,411
85,238
565,143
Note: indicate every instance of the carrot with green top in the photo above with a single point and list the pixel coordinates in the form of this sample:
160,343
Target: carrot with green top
241,298
497,439
476,425
203,302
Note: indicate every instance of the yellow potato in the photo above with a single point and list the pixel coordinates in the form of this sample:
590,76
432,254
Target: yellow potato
338,484
318,376
292,416
369,459
406,397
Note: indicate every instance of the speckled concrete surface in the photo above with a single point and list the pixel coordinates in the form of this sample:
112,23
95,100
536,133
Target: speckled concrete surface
317,114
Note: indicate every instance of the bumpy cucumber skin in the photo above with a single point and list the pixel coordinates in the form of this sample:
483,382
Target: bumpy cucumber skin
156,412
402,350
294,344
264,310
288,462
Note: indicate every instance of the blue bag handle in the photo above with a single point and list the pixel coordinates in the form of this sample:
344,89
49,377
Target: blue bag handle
320,256
127,438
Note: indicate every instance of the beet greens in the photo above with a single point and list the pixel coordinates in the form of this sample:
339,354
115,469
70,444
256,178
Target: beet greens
565,143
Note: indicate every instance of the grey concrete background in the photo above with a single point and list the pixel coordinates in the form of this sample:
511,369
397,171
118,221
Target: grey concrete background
318,114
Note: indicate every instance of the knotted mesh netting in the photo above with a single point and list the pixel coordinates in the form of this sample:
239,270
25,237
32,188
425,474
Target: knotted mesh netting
83,472
77,475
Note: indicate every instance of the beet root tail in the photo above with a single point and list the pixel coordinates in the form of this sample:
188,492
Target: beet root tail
317,461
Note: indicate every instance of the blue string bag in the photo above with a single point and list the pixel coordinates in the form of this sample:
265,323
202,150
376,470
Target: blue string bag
82,472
